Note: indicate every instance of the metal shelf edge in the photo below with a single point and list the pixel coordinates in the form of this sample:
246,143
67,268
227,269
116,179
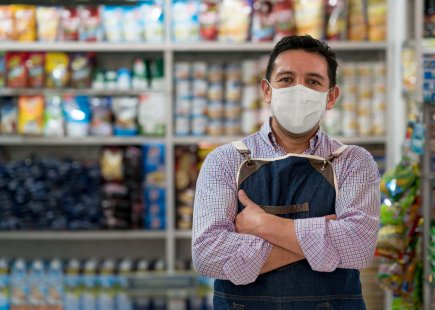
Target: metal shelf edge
19,140
81,235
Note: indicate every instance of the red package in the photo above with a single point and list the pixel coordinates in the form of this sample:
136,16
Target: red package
69,25
208,20
285,24
35,69
16,71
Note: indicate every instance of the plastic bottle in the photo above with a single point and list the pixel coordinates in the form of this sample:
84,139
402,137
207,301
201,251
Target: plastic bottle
106,282
88,300
19,285
37,284
4,285
72,286
55,285
123,300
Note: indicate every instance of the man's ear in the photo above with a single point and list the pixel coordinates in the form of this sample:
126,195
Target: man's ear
266,90
332,97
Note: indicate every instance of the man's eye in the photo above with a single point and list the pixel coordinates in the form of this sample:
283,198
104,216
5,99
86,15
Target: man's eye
314,82
285,80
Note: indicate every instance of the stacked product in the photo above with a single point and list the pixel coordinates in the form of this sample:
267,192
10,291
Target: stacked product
432,250
154,188
121,189
188,161
399,234
132,23
429,78
360,110
265,20
217,98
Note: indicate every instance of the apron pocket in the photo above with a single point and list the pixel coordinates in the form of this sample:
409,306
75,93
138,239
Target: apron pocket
285,210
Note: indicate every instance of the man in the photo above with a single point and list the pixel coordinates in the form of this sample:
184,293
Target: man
304,260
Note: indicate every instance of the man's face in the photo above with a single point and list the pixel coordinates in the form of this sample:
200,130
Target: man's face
295,67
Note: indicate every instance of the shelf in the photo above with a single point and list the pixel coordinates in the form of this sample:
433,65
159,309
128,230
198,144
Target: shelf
223,140
183,234
81,235
94,140
83,46
176,47
84,91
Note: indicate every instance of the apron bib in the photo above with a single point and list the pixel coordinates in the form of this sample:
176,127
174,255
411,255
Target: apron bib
294,186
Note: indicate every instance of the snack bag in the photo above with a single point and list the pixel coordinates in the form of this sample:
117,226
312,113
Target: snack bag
153,20
112,23
30,115
111,164
151,114
48,21
185,20
24,22
235,19
125,111
209,20
357,20
8,116
77,115
81,69
7,31
53,118
309,18
16,72
336,20
35,69
90,24
263,26
397,180
132,24
101,123
377,20
69,24
56,70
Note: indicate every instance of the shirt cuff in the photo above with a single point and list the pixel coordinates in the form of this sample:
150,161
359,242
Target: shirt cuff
244,267
313,240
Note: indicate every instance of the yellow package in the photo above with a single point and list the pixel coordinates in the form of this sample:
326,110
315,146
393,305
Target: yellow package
309,17
357,20
377,20
6,23
24,22
48,19
234,20
56,70
31,115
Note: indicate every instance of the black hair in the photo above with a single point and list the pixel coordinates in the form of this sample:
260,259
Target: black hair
308,44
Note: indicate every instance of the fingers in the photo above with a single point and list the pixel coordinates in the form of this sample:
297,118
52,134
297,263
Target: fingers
244,199
331,217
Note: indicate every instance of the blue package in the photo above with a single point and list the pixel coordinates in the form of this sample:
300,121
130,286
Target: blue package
77,114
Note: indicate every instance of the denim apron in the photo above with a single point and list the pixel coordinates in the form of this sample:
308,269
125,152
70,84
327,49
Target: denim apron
294,186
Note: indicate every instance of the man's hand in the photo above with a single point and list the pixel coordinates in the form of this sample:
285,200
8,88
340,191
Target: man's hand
250,219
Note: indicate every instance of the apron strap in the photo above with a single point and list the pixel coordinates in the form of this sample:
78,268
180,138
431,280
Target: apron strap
243,149
337,152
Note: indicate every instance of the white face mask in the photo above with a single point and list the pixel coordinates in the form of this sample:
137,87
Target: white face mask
298,108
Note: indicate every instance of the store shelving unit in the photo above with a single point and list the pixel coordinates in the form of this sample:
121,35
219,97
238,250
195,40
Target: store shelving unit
172,242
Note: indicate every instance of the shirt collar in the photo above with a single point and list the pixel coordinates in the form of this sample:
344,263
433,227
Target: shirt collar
268,136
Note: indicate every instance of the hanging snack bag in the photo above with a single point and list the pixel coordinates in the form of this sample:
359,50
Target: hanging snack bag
283,13
263,26
16,71
336,20
35,69
48,20
209,20
77,115
153,23
125,111
53,118
396,181
90,24
101,123
7,31
111,164
112,23
69,24
309,18
132,24
185,20
30,115
234,21
81,70
56,70
24,22
8,116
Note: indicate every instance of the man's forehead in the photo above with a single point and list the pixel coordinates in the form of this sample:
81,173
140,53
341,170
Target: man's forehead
298,61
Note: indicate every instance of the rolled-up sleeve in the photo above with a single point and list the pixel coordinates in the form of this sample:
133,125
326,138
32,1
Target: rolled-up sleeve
350,241
217,250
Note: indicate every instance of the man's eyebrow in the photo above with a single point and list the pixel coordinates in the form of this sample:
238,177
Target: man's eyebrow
287,72
316,75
